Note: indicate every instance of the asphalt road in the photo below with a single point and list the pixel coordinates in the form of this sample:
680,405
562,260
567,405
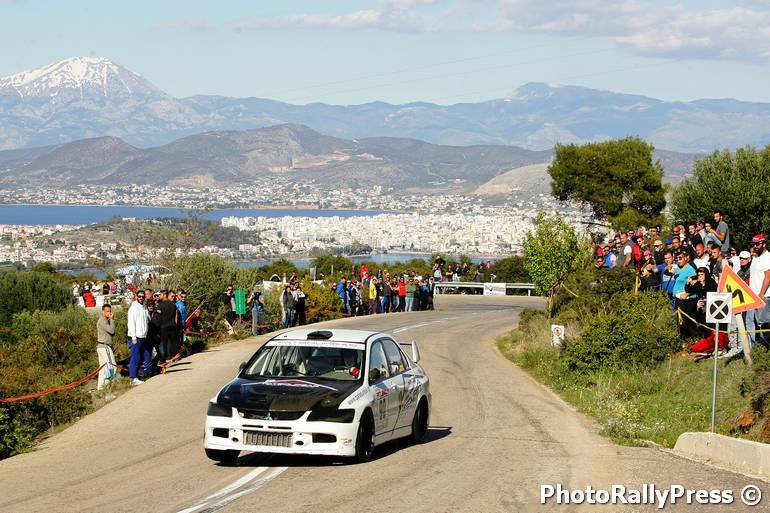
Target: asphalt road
496,436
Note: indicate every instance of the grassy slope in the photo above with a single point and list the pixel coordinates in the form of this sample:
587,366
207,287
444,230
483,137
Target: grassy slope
647,404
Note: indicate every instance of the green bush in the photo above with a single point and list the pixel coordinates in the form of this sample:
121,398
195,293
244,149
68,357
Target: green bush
20,291
510,270
528,315
326,262
639,331
46,349
203,276
278,267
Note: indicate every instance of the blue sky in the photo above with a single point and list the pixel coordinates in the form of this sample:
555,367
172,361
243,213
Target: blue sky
442,51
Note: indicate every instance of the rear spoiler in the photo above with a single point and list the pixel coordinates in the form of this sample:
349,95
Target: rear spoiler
415,350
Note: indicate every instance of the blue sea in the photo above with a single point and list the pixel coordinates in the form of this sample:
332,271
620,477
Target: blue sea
86,214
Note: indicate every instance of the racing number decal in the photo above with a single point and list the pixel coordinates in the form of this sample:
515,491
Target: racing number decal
382,410
381,399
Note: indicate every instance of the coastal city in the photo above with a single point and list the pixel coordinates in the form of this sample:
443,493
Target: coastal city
451,224
275,192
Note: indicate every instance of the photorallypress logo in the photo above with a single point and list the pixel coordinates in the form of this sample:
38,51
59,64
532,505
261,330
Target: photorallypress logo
648,494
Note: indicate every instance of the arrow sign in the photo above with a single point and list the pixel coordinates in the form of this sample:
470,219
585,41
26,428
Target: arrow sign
719,307
743,297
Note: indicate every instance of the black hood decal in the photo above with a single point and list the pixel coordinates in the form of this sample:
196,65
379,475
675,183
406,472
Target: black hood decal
286,394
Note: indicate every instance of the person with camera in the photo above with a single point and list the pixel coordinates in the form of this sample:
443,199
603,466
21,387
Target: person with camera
299,316
684,300
650,279
700,286
667,272
257,300
153,333
169,322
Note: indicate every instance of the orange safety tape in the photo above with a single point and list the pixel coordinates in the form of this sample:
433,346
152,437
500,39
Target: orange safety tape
681,313
52,390
333,312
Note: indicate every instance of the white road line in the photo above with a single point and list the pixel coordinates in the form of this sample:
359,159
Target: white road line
227,489
272,474
420,325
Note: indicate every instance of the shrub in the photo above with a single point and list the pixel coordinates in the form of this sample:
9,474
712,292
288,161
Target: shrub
530,314
203,276
20,291
326,262
278,267
640,331
510,270
46,349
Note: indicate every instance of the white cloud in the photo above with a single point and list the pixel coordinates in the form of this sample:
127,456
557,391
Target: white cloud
392,15
640,26
736,33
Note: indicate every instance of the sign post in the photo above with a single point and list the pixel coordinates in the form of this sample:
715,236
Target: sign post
494,289
719,308
557,334
240,305
744,299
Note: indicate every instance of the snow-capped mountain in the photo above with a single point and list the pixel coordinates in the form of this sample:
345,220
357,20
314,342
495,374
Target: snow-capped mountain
87,97
78,78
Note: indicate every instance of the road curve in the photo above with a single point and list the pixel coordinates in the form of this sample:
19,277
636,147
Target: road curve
495,437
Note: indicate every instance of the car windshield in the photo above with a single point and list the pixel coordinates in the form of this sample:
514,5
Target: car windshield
339,361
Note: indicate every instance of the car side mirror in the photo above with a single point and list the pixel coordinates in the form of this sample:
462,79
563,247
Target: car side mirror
241,367
374,375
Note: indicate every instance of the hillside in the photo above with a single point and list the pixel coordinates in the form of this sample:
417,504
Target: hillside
294,152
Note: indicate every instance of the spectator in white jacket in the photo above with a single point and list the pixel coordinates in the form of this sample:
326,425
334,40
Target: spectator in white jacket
138,318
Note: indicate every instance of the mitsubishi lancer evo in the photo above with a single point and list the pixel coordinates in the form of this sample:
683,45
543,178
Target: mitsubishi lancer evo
325,392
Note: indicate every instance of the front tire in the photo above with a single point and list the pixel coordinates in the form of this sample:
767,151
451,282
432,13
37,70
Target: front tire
420,422
222,455
365,438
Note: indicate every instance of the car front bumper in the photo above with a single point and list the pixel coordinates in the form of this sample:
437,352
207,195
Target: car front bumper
281,436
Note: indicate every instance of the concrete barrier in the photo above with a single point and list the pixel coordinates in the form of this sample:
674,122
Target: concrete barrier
744,456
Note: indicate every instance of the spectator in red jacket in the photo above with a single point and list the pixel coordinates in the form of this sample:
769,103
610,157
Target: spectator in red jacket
401,294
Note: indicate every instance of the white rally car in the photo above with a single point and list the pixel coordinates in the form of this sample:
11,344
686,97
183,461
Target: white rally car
330,392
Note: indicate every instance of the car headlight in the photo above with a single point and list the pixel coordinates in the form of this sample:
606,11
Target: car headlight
331,415
219,410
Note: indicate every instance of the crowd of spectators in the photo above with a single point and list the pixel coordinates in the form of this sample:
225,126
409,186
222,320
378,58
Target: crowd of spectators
363,293
89,291
687,263
156,331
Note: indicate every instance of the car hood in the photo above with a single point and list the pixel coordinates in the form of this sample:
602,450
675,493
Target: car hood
286,394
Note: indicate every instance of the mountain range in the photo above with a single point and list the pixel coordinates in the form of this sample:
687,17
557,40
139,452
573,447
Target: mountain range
91,97
296,153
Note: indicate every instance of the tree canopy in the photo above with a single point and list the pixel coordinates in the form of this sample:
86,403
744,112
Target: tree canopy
550,252
22,291
737,183
617,179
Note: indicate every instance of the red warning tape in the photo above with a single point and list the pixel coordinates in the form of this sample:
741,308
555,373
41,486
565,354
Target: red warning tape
333,312
52,390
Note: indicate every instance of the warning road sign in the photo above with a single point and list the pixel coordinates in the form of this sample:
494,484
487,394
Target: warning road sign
718,307
557,332
743,297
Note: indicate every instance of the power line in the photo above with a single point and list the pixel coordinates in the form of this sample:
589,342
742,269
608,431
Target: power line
455,74
408,70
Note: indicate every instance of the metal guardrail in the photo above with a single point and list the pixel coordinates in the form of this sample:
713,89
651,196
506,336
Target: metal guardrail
445,286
